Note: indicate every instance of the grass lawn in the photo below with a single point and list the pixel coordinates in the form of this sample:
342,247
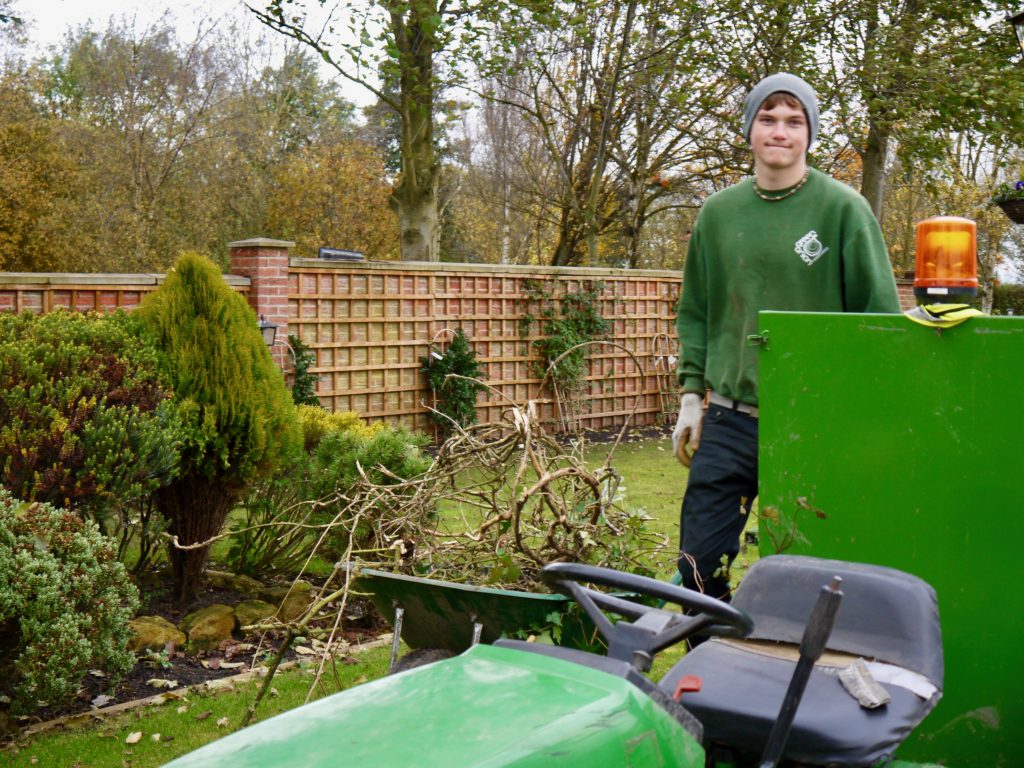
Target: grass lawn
652,480
180,726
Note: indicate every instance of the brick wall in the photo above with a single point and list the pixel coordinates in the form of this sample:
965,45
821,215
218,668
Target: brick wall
905,286
45,292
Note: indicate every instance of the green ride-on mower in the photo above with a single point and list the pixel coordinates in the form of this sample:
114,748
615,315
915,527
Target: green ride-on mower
880,441
814,663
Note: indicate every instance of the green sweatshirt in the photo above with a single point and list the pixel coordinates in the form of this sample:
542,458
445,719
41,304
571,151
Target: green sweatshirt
820,250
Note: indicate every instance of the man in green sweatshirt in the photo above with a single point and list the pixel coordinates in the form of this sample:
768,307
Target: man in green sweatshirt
790,238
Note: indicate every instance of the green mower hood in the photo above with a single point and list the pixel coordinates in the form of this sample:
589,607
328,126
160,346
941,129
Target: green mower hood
490,706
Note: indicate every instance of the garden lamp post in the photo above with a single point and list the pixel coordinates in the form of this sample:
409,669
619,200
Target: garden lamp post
269,331
1017,22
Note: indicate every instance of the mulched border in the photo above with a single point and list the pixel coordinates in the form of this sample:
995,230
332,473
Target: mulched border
213,685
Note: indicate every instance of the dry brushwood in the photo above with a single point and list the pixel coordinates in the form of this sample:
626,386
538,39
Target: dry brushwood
500,501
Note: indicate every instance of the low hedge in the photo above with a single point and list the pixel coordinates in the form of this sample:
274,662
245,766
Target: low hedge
65,604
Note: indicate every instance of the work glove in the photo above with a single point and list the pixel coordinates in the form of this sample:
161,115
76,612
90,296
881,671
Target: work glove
686,435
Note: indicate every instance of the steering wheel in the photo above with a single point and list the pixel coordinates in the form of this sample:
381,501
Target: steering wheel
651,629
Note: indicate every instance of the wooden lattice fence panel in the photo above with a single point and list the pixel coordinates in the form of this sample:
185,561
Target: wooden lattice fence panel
370,324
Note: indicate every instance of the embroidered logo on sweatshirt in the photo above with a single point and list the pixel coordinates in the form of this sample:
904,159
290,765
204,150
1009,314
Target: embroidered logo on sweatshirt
809,248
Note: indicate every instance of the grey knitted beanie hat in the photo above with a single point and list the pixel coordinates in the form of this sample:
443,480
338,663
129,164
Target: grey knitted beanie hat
787,83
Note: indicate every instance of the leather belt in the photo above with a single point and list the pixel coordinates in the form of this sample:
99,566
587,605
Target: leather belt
732,405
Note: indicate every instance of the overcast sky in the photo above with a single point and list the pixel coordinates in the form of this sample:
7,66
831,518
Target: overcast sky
47,21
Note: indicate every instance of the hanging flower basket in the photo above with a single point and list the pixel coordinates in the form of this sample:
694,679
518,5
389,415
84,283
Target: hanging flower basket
1010,197
1014,209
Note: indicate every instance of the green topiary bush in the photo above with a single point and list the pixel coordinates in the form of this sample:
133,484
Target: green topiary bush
85,417
65,603
238,414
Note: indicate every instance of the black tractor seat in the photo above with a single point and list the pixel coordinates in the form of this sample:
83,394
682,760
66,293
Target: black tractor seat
887,618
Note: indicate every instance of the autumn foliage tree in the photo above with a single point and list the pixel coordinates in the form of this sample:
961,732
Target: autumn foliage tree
37,178
334,194
238,415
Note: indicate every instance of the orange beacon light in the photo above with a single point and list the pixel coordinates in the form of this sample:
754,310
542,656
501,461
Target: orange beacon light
947,259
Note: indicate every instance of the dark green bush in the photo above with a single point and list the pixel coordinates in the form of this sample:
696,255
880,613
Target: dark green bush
85,420
304,380
386,458
65,603
456,398
389,453
238,415
1008,299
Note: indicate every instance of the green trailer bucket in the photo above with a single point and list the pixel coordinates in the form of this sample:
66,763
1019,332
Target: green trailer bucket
442,614
887,442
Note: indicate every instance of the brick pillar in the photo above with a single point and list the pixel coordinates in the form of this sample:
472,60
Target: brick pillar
265,263
905,289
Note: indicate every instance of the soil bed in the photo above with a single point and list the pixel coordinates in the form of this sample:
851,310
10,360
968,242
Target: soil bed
361,624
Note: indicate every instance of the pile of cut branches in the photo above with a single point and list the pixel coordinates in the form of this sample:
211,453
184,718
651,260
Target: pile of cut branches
500,501
504,499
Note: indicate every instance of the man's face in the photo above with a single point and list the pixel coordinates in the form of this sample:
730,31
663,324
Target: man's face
779,137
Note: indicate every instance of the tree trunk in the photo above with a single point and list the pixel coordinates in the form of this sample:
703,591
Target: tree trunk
418,220
987,295
569,236
873,159
634,220
415,197
506,222
195,508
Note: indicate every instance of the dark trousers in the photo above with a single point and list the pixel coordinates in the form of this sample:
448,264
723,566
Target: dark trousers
719,494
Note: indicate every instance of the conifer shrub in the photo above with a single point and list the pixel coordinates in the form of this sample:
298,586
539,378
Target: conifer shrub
343,459
85,417
384,457
238,416
318,422
65,603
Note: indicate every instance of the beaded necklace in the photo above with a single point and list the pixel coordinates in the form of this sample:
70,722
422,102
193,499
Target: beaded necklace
761,193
